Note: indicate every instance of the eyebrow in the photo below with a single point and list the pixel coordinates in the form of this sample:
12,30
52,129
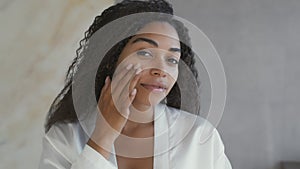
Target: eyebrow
152,42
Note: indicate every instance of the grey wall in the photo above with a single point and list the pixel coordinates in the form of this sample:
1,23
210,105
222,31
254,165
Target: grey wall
259,43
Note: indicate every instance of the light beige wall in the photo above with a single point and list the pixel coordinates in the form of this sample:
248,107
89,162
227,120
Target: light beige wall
37,43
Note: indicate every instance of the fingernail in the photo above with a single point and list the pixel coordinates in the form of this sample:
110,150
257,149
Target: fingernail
137,66
129,66
133,91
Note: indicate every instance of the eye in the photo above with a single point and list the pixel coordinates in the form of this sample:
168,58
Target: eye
173,61
144,53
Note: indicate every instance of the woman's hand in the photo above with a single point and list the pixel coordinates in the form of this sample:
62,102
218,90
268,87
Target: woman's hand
115,99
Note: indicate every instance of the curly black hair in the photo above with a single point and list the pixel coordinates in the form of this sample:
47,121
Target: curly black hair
62,109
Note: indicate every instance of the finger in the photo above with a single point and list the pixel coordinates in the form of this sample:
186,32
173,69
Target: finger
135,79
121,70
119,75
105,88
127,101
106,83
129,91
122,95
131,97
120,83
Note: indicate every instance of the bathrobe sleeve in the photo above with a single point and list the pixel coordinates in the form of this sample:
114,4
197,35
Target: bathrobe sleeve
221,160
64,148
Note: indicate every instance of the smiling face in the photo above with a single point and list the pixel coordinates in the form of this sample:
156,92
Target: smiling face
157,49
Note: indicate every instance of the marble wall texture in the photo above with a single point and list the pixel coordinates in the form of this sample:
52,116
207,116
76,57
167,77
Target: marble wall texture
38,41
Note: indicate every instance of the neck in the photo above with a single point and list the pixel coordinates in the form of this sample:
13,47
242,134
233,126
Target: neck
141,114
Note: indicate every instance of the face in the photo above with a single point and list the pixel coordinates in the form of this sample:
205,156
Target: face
157,49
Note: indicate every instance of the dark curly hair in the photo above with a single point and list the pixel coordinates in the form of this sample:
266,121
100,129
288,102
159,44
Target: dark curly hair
62,109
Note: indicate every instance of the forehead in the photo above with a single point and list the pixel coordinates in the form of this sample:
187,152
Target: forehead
157,28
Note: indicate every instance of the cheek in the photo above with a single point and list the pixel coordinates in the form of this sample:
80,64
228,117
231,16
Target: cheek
173,79
172,75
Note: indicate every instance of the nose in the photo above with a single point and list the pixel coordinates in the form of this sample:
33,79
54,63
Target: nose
157,72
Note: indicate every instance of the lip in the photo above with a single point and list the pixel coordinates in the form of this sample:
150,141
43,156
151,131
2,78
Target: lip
155,87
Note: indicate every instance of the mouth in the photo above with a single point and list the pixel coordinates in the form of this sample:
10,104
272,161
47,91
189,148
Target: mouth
155,87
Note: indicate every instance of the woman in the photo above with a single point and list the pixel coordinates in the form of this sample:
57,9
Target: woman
141,121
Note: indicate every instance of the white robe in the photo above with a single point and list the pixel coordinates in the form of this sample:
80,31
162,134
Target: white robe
179,143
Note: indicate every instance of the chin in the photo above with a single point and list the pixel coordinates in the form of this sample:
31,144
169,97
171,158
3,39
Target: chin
148,101
149,97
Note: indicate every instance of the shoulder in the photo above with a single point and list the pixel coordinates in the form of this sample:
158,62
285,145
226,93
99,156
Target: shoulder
67,137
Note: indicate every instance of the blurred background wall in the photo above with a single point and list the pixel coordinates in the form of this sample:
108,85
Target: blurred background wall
257,40
259,44
38,42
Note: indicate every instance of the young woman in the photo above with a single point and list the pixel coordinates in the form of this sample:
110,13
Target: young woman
140,87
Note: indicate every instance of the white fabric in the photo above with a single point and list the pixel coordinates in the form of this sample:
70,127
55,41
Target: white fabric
176,132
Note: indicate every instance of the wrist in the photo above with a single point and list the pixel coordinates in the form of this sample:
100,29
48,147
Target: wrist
103,151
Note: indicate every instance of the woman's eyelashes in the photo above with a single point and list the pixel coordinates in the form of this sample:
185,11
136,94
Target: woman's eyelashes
146,53
173,61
